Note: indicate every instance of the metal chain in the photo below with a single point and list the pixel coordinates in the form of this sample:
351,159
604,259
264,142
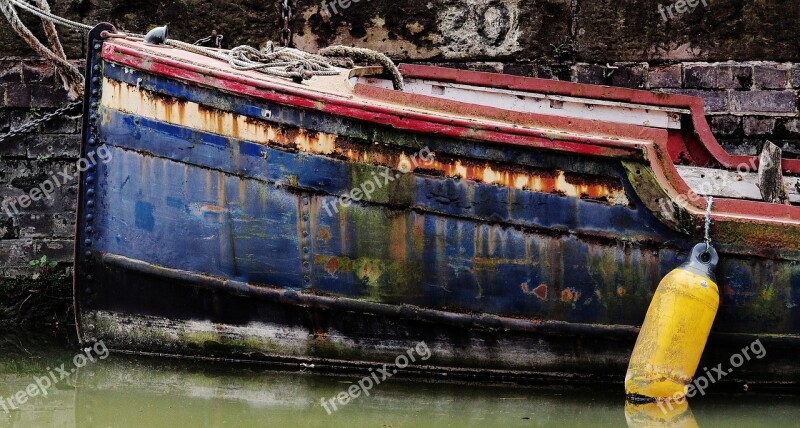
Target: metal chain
286,17
44,119
708,222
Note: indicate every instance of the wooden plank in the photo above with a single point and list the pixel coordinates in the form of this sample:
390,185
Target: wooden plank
770,176
554,105
732,184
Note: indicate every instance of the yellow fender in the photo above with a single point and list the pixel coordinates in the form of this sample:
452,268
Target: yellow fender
675,330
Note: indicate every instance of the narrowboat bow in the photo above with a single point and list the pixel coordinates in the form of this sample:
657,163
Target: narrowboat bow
517,226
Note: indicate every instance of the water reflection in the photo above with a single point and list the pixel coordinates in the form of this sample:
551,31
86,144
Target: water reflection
652,415
133,392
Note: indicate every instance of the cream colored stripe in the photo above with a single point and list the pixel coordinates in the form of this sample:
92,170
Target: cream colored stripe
132,100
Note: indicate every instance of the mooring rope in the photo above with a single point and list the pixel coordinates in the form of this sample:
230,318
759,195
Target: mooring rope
69,73
366,55
280,62
46,15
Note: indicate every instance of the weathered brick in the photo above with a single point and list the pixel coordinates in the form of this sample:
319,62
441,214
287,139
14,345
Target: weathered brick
740,147
764,101
787,128
725,125
700,76
10,72
713,101
456,65
46,224
18,117
61,125
758,125
18,252
17,96
629,75
558,71
590,73
796,75
486,67
35,95
624,74
13,147
54,145
5,120
525,69
547,71
38,72
771,76
732,76
790,148
8,227
717,76
665,76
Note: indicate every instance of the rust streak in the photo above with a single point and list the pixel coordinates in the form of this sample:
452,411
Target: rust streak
128,98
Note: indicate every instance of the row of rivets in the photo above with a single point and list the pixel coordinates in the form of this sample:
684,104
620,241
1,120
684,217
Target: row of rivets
305,241
89,182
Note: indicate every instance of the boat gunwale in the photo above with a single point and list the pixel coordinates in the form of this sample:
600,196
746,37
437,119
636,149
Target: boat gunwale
654,149
695,105
364,109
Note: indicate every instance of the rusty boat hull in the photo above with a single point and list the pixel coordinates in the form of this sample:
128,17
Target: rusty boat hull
529,247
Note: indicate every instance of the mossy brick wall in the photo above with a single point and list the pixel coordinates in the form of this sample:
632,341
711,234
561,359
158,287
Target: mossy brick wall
741,56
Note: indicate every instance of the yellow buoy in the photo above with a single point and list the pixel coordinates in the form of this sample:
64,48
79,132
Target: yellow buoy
675,330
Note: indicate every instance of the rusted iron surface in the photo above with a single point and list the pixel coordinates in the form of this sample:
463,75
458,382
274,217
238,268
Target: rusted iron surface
124,97
224,204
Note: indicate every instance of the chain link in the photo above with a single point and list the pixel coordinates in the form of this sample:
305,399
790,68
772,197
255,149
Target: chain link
286,17
708,222
36,122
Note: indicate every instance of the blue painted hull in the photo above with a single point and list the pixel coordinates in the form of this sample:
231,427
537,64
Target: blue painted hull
196,243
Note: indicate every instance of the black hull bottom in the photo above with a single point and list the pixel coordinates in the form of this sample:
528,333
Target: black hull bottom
147,309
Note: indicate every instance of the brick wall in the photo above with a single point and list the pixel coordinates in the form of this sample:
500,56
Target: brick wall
620,43
29,90
746,103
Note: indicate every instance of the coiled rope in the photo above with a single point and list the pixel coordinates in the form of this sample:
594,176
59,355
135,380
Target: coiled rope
280,62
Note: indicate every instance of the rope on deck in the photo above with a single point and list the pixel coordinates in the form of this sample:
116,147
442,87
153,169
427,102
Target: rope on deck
280,62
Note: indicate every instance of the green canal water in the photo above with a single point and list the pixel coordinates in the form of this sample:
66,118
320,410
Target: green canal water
124,391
